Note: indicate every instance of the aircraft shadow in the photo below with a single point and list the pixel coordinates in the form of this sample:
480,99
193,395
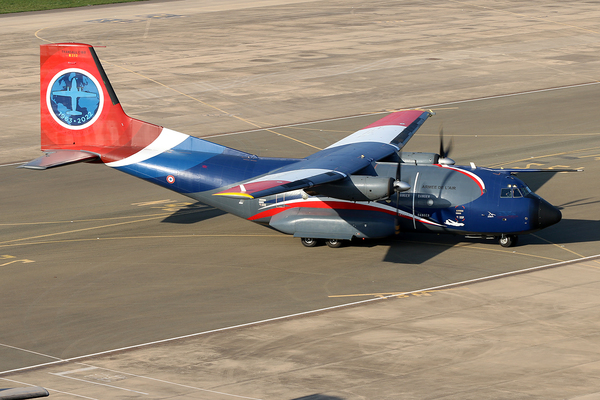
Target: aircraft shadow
417,248
569,231
193,213
318,397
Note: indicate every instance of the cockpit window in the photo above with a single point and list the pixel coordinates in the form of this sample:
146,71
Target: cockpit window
512,192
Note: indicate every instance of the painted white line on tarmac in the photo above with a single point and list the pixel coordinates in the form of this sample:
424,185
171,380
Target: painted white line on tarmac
301,314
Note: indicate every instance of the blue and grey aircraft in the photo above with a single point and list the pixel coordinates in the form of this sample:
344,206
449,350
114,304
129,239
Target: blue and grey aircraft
360,187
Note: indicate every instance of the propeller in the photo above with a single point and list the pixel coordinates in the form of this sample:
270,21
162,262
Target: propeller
444,158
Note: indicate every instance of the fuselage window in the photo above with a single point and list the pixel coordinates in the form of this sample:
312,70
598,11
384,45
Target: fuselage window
506,193
517,193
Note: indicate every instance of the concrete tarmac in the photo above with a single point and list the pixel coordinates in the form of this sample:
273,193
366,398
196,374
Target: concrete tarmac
93,260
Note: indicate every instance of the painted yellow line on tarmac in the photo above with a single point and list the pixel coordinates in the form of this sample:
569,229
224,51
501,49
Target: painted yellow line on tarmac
476,247
544,156
210,105
2,245
83,220
78,230
557,245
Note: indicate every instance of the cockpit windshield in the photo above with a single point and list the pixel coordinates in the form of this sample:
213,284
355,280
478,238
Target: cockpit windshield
514,192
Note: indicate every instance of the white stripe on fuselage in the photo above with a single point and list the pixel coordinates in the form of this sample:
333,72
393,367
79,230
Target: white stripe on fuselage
165,141
378,134
291,176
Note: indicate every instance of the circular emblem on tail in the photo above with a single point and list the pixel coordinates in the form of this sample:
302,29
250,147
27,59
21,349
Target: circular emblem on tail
74,98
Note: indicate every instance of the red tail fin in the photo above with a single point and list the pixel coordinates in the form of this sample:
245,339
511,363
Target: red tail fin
79,108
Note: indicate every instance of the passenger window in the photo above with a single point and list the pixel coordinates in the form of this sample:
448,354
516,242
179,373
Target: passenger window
517,193
506,193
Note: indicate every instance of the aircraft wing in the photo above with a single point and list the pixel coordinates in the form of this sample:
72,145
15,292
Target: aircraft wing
516,171
341,159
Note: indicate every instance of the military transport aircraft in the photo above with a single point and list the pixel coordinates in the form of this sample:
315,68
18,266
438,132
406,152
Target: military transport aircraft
361,187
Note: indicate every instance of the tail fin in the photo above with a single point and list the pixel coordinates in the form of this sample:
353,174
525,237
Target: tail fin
80,112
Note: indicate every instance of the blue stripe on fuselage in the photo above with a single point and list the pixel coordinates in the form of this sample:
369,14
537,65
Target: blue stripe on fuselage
198,165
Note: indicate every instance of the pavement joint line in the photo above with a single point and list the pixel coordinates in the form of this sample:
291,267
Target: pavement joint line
303,314
99,383
427,106
169,382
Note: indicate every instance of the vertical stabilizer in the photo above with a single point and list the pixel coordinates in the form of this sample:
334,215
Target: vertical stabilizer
79,108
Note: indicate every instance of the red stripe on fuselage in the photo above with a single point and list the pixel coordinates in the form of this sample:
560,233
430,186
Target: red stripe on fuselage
334,205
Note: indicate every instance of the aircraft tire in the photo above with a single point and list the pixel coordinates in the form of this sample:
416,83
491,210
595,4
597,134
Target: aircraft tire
508,240
309,242
334,243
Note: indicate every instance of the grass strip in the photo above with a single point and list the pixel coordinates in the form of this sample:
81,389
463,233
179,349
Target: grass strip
15,6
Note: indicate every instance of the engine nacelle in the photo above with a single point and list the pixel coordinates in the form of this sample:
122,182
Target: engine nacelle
357,188
419,158
425,158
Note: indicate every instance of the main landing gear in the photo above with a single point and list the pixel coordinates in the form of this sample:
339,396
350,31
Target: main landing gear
508,240
311,242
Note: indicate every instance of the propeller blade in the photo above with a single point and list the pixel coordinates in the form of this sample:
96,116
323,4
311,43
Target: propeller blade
397,182
441,153
445,151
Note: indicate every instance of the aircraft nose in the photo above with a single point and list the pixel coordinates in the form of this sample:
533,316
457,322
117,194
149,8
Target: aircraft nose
547,214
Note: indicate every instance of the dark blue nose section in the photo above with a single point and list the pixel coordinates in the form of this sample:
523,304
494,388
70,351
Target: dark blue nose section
547,214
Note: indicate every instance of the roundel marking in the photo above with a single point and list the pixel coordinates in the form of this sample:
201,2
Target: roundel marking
74,98
171,179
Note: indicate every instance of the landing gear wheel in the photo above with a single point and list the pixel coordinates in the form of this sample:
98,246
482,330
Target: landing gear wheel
309,242
508,240
334,243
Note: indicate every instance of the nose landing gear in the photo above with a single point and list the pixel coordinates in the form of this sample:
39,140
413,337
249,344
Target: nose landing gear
508,240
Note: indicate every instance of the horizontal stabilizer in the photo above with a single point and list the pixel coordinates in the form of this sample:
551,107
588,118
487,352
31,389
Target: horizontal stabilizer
527,171
58,158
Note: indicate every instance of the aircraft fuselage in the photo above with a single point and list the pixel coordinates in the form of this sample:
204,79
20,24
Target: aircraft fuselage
453,199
